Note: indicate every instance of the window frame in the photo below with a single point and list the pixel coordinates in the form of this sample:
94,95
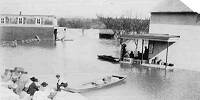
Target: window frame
20,20
38,21
2,20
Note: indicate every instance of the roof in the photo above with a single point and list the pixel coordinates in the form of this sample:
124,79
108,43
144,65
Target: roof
170,6
106,31
26,15
151,36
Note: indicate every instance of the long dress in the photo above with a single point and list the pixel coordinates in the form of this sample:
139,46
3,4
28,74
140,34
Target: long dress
63,95
42,94
6,94
21,83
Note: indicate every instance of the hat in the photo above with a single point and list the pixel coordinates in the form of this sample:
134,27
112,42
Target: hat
44,84
34,79
20,69
64,84
57,75
8,70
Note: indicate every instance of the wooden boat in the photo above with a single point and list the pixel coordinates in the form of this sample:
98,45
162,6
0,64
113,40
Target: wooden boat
100,83
127,61
157,66
108,58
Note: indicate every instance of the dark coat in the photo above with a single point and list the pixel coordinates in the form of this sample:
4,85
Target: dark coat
32,88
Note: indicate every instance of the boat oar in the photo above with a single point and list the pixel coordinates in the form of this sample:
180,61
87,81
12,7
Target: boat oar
88,83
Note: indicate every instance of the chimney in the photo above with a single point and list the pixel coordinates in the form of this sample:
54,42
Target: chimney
20,13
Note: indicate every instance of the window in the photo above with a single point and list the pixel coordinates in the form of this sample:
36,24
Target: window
2,20
38,21
20,21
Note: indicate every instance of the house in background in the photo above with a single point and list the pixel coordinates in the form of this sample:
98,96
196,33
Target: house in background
173,17
106,34
22,27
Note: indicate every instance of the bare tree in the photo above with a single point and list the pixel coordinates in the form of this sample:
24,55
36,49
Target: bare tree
126,25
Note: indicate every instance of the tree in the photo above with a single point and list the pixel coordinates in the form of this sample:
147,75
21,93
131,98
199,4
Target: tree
126,25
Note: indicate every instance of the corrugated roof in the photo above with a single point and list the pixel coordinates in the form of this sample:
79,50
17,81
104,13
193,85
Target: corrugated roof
152,36
171,6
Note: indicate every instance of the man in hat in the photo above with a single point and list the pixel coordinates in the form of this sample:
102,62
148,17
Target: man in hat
43,92
32,87
7,75
16,72
58,84
21,81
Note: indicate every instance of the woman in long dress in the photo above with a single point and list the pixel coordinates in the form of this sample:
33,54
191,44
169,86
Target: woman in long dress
63,95
43,92
7,94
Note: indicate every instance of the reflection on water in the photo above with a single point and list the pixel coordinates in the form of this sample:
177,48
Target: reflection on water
77,62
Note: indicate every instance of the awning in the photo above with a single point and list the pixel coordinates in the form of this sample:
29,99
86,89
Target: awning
151,36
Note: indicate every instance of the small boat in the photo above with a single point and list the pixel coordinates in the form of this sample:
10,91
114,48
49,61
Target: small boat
127,61
100,83
108,58
157,66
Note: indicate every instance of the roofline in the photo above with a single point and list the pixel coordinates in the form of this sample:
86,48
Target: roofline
26,15
157,12
152,36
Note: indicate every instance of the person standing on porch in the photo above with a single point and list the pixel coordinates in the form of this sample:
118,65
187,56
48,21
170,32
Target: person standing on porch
131,55
123,52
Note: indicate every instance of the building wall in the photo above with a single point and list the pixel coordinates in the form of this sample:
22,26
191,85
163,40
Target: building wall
158,47
178,19
9,33
22,27
184,53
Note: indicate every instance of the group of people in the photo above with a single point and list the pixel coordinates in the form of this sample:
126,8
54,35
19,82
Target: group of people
158,61
29,88
9,43
135,55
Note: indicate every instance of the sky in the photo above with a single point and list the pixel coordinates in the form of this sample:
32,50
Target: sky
80,8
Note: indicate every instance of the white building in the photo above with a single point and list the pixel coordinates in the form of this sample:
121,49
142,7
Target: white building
173,17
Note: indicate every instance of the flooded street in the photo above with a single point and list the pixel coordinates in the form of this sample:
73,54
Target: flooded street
77,63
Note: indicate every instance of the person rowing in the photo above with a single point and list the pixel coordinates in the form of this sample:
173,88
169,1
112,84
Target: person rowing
60,83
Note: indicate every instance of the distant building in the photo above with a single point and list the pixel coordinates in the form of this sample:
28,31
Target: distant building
106,34
21,27
173,17
174,35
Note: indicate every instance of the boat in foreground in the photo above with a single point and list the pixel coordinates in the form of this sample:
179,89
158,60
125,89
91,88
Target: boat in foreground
108,58
99,83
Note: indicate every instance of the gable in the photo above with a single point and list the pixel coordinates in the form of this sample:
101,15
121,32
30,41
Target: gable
171,6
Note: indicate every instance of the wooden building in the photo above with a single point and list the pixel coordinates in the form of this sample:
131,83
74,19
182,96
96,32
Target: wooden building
106,34
22,27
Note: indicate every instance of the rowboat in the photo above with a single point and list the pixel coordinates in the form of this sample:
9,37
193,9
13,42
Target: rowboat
97,84
108,58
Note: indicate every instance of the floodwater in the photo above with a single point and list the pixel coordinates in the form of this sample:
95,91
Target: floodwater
77,63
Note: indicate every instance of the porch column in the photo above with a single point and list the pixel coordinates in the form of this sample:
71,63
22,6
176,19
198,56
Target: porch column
167,55
121,42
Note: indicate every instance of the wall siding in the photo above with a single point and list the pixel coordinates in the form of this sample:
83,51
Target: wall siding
22,33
